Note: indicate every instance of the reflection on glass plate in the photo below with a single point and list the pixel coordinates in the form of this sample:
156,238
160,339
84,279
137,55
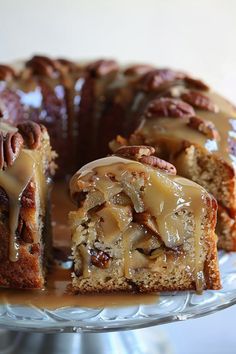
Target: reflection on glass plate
169,307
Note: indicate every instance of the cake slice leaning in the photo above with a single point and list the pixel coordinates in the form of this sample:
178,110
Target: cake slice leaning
26,165
139,227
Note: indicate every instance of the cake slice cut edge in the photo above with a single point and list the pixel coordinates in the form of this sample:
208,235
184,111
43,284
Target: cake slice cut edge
27,164
141,228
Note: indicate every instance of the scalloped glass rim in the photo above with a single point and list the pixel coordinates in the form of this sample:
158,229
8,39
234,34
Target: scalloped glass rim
170,307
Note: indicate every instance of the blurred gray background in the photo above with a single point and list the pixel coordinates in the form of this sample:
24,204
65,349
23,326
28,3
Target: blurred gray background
197,36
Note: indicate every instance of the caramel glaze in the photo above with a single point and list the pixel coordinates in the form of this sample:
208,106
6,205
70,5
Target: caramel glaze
28,166
57,292
67,98
87,105
13,180
163,196
81,105
224,120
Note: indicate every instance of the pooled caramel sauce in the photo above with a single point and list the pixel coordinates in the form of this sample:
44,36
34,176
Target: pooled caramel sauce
57,292
163,197
155,129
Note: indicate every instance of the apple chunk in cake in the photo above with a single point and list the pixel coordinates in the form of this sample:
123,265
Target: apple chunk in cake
139,227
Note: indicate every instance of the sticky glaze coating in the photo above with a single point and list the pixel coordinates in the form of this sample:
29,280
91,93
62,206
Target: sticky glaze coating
139,227
25,171
85,106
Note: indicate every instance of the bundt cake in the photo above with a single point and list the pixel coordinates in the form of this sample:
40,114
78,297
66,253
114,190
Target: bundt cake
26,165
84,107
139,227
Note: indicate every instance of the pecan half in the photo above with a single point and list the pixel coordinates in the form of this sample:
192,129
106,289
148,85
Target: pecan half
99,259
31,133
196,83
168,107
135,151
205,127
200,101
155,161
6,72
152,80
102,67
10,147
138,69
70,66
41,65
144,154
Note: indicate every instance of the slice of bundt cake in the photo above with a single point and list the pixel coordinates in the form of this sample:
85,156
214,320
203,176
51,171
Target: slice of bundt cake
196,133
193,128
139,227
26,164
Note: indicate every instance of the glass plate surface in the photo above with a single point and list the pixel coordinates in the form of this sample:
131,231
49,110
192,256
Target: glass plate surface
169,307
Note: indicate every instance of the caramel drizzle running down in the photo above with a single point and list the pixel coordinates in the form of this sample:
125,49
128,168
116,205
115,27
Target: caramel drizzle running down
163,196
14,181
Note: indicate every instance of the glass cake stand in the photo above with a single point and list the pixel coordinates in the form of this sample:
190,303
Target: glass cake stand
102,330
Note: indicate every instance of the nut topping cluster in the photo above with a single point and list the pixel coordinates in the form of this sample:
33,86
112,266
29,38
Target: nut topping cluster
6,73
70,66
200,101
138,69
145,154
155,79
195,83
205,127
10,147
152,80
41,65
102,68
169,107
99,259
136,152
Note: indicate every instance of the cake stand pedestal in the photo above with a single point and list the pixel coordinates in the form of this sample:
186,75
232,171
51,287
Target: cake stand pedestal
145,341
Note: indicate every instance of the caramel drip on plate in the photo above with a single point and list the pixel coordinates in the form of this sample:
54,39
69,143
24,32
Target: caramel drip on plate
14,181
57,295
164,197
